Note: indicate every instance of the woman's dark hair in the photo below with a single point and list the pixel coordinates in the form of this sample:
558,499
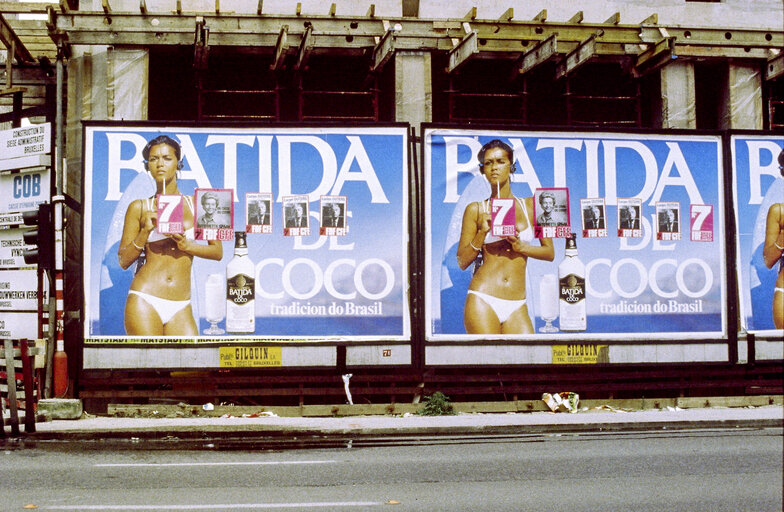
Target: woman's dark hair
781,162
161,139
493,144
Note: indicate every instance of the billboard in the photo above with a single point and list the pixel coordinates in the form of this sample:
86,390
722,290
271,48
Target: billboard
619,236
757,161
149,283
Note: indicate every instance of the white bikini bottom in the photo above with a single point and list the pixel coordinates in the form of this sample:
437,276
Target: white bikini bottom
165,308
503,307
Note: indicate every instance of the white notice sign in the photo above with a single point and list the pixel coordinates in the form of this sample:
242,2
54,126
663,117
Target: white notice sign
18,325
18,290
12,247
26,141
24,191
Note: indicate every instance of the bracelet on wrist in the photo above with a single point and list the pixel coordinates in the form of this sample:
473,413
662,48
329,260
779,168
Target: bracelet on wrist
471,243
780,248
134,244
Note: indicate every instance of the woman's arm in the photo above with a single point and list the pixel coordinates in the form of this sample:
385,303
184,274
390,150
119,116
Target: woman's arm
213,250
543,251
774,235
472,235
136,229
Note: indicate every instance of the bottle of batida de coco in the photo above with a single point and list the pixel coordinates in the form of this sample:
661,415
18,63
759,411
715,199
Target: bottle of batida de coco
240,289
571,289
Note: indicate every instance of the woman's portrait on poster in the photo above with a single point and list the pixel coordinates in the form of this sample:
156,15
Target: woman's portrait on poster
550,210
210,208
496,302
159,300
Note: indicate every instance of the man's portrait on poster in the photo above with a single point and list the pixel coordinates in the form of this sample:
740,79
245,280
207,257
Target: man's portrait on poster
332,215
593,217
258,213
296,215
668,220
630,217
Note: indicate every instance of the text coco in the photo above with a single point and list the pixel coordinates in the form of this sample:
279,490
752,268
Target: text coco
638,278
324,279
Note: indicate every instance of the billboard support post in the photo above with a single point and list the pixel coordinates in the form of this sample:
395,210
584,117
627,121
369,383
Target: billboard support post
60,358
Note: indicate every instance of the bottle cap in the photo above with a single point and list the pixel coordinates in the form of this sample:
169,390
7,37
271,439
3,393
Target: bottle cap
571,242
239,239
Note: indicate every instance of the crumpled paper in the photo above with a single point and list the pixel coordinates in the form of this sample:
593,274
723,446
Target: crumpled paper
566,400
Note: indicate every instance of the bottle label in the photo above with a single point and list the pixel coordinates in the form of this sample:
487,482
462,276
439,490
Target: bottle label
572,288
240,289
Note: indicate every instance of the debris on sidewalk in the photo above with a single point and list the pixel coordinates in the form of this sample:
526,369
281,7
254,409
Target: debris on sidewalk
346,379
608,408
566,400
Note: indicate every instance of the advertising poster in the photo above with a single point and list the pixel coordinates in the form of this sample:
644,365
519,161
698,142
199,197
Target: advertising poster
759,210
144,286
621,269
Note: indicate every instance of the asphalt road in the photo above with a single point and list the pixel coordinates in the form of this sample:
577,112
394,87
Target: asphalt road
700,470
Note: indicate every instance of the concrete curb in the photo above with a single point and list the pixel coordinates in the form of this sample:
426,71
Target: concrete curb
397,428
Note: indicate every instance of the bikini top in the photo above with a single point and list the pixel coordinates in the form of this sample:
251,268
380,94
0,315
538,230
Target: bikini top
526,235
149,204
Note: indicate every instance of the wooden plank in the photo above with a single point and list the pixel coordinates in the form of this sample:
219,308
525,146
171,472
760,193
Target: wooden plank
11,376
384,50
539,54
774,67
25,7
280,48
29,386
465,49
584,52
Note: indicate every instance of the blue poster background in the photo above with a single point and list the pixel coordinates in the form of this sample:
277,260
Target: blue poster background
313,287
758,185
639,288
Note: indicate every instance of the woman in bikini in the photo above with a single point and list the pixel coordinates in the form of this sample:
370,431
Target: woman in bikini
773,251
496,300
159,301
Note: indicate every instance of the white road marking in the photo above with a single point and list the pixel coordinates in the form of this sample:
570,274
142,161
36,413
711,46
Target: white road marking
224,506
250,463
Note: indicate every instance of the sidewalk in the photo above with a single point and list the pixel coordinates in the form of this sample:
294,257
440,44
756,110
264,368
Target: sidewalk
268,425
